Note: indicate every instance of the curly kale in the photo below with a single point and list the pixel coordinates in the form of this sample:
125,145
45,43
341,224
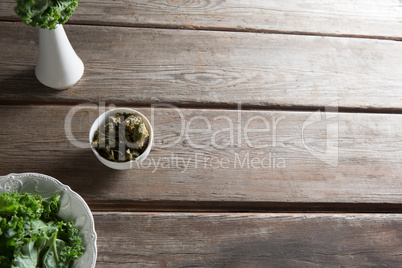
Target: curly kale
45,13
32,235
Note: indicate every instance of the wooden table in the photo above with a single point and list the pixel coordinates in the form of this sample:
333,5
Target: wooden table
278,129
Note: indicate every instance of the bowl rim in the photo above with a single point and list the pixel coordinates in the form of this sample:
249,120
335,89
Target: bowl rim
64,188
114,111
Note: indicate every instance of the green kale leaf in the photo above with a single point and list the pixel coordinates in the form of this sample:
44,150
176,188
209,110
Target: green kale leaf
32,235
45,13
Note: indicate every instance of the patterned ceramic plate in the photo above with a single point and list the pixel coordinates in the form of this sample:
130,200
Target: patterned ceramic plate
73,208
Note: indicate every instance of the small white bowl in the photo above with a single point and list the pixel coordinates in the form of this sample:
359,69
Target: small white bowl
121,165
72,208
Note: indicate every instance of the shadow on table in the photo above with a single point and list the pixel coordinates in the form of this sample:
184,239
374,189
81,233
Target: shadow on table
82,171
77,168
23,86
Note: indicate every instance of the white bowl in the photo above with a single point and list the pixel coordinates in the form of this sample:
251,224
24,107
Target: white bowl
121,165
72,208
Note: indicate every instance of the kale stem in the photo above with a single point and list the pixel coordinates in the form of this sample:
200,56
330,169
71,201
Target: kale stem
55,246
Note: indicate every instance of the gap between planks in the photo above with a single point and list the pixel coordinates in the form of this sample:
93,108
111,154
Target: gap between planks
229,29
242,30
240,207
212,106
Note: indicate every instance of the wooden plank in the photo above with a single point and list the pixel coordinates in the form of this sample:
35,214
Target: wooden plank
248,240
217,155
145,66
379,19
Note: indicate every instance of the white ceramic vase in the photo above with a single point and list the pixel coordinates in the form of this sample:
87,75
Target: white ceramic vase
58,66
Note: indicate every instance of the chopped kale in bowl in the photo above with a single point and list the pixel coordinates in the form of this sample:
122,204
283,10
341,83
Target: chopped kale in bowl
122,138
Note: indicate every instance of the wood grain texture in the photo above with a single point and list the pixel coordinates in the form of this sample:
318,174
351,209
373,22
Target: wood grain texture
248,240
378,19
292,55
145,66
218,155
